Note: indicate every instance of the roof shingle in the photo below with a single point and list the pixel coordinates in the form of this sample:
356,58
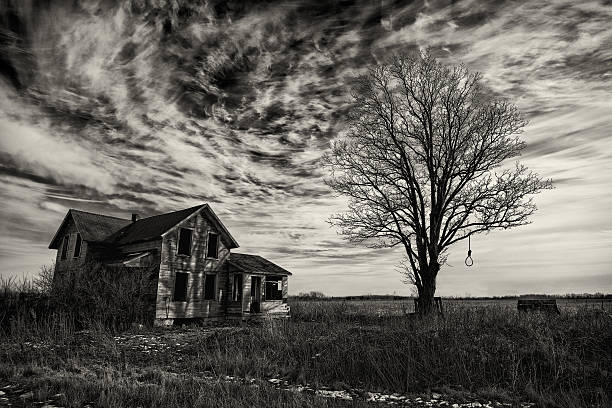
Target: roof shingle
92,227
150,227
119,231
254,264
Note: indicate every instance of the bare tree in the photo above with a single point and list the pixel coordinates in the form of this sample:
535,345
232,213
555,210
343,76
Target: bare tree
425,164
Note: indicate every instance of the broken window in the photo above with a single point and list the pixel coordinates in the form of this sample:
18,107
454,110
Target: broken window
237,288
209,287
184,246
274,287
213,245
77,246
65,248
180,287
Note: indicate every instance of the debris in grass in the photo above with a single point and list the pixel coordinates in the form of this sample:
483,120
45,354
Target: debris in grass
27,395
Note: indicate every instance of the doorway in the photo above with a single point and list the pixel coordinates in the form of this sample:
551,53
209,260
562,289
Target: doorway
255,294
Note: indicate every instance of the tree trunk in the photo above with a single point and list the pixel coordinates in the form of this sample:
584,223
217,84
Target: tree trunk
425,302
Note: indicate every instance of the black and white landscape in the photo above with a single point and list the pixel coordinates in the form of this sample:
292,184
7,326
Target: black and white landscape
270,203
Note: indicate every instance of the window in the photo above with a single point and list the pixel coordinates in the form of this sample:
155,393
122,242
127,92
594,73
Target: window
184,245
274,288
237,288
180,287
65,248
77,246
209,287
213,245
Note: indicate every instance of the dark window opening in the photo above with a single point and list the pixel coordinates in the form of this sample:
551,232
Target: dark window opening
65,248
274,288
180,287
77,246
209,287
213,245
237,288
184,247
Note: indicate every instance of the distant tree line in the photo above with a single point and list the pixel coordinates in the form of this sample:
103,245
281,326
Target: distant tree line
314,295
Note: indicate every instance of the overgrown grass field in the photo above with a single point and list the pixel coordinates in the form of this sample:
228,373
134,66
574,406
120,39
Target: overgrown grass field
488,352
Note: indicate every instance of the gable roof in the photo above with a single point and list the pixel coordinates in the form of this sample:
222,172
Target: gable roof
119,231
254,264
150,228
154,227
92,227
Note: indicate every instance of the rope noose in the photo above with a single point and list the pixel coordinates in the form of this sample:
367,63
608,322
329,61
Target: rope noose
468,260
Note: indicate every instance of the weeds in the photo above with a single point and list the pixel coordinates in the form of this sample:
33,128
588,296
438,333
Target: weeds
107,298
154,388
492,352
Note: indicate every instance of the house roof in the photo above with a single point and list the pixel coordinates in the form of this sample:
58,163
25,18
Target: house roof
254,264
154,227
117,231
149,228
92,227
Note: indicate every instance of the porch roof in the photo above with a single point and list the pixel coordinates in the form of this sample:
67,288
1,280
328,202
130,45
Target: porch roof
255,264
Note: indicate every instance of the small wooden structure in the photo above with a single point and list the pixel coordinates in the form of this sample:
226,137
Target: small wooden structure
537,304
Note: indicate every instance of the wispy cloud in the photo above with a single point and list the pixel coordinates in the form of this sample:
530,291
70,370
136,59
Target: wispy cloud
153,107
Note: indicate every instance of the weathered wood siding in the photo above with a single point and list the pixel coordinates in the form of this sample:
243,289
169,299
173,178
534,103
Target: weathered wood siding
285,287
246,293
197,266
70,263
266,306
243,305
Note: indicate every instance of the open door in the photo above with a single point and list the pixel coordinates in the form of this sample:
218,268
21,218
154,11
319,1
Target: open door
255,294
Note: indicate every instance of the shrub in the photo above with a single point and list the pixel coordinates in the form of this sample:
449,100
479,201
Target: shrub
94,296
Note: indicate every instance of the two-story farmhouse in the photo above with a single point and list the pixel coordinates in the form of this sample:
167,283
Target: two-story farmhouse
198,275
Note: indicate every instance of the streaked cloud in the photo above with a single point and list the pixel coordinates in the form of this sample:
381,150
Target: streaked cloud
154,106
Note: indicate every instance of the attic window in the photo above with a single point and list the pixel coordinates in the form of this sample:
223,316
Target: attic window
180,287
184,246
77,246
209,287
65,248
212,251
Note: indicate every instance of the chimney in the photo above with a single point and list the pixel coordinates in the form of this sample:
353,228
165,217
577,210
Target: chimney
135,217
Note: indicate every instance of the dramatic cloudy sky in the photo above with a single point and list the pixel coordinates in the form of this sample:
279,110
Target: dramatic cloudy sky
156,105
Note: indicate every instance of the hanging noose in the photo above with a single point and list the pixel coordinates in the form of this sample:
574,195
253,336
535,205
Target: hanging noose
469,261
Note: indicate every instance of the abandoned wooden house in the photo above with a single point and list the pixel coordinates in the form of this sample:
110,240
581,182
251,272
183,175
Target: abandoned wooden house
198,277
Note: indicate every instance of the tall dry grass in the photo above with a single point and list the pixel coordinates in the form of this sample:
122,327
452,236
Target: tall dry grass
557,361
561,360
96,296
110,388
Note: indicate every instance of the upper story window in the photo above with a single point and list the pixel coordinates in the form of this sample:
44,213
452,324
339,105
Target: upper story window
184,244
65,248
77,246
212,250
